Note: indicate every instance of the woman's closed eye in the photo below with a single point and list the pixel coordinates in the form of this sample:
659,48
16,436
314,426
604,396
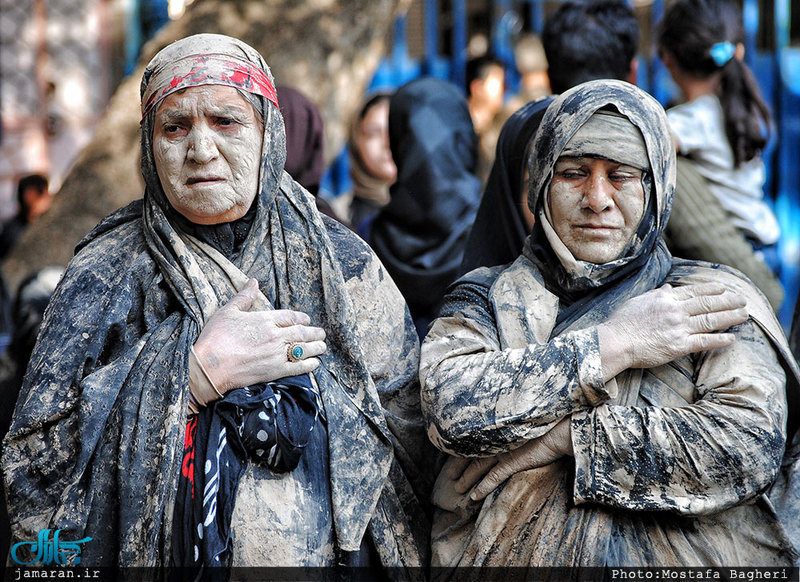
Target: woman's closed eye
571,174
624,176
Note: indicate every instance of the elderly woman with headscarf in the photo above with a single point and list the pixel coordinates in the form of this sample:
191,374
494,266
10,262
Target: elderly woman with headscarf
420,235
635,405
225,295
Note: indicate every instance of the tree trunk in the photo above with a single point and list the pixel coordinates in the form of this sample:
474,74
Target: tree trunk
327,49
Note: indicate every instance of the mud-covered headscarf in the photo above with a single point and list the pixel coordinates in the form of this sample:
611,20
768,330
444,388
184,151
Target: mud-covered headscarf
646,261
212,59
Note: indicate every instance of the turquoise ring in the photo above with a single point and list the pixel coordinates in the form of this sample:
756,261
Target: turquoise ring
295,352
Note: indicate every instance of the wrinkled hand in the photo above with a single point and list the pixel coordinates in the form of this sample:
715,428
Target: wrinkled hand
666,323
239,348
550,447
465,472
450,491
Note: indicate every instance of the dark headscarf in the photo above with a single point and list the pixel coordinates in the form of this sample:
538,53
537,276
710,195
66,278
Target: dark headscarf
421,234
500,230
304,138
305,144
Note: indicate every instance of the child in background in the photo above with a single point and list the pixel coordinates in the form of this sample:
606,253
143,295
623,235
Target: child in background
723,124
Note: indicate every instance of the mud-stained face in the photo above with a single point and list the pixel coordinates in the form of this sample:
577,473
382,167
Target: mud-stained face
207,150
595,206
527,213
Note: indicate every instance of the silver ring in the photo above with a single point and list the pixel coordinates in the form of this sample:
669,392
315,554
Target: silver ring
294,352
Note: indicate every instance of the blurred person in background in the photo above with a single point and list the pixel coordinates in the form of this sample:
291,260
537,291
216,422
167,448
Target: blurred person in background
722,124
504,221
485,80
305,143
421,233
592,39
33,200
372,169
531,62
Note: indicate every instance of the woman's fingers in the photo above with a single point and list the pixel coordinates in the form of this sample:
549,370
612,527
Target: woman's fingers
244,299
454,467
497,475
303,333
535,453
288,317
687,292
473,473
300,367
717,320
306,350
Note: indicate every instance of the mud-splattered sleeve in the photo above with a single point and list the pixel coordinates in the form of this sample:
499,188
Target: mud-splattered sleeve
480,399
724,448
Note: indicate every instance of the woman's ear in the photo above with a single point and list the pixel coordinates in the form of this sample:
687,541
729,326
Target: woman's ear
666,58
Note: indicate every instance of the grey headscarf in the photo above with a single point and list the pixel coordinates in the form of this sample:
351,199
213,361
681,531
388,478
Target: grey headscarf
646,252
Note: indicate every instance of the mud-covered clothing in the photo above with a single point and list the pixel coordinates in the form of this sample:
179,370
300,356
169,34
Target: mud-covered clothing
96,445
671,463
